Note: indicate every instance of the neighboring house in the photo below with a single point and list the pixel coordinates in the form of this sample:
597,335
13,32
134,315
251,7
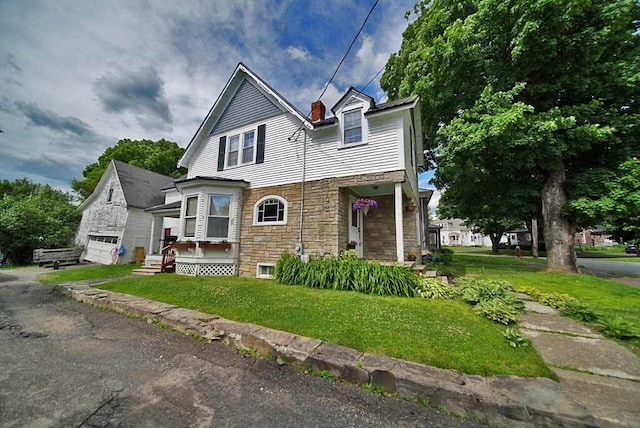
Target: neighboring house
264,180
114,216
454,232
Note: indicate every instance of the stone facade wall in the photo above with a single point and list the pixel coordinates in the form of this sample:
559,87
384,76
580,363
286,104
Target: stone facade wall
325,222
380,230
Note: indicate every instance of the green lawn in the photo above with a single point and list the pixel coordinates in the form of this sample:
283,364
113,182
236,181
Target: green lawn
91,272
445,334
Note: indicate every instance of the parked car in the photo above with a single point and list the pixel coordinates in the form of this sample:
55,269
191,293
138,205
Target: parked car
631,249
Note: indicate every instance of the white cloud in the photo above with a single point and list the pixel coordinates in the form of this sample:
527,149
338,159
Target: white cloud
299,53
433,203
53,53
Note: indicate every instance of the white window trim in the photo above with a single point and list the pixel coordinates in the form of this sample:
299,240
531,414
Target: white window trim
270,223
183,217
230,216
363,125
110,195
259,275
241,133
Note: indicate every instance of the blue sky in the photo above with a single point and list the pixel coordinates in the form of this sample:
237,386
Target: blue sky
77,76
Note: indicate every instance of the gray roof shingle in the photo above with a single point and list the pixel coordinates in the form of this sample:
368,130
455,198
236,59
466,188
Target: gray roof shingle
141,187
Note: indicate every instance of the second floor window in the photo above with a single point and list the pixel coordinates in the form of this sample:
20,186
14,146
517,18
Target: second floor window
241,148
352,127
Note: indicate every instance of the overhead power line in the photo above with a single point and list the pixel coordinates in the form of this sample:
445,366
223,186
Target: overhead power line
342,60
372,79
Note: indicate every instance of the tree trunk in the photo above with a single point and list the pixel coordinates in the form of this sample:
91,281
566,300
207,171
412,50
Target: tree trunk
558,231
495,240
534,238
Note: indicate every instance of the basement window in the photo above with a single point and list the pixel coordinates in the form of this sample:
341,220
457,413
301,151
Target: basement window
265,270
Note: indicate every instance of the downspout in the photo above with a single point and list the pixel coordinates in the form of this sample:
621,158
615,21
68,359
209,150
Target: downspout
304,172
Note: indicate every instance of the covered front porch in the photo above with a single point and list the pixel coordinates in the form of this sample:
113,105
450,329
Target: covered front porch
164,229
387,229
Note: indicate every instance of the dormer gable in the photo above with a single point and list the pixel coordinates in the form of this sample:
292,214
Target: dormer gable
351,99
350,112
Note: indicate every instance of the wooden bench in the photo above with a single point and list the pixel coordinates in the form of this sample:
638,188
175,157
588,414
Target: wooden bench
52,255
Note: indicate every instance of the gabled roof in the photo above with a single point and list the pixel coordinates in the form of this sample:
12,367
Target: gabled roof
392,104
350,92
142,188
239,74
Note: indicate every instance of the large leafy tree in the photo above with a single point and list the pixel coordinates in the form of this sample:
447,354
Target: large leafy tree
618,206
34,216
158,156
553,81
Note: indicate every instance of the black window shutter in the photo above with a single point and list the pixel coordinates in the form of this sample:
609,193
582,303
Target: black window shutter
221,153
261,137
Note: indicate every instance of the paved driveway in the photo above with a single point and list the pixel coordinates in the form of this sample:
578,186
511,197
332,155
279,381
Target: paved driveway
68,364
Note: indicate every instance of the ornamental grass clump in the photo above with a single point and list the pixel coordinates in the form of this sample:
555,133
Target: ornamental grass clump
347,273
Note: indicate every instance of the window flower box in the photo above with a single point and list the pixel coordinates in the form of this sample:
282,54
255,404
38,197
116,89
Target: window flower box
214,245
185,245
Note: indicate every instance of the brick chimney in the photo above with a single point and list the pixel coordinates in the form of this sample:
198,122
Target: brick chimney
317,111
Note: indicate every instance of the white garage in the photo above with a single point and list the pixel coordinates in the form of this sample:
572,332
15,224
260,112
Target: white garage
101,249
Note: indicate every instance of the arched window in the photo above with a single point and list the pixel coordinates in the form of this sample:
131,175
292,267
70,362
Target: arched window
270,210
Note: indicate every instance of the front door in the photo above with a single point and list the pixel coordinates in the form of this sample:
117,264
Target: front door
355,227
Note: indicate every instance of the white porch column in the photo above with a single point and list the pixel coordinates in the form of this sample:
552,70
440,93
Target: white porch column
399,227
153,234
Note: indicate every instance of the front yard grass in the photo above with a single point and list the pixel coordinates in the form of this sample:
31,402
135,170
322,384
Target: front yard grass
82,273
441,333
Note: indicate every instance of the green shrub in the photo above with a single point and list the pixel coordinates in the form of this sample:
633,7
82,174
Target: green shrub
493,299
433,288
579,311
516,338
555,300
498,310
347,273
617,327
475,290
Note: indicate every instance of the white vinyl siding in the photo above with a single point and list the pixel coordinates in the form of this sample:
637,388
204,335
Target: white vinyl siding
283,158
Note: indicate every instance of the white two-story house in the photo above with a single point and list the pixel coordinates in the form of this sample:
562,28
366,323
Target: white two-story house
263,179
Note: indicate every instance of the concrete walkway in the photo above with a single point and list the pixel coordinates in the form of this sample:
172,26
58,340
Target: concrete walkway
594,371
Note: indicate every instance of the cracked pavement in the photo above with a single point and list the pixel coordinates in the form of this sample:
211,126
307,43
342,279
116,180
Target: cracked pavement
69,364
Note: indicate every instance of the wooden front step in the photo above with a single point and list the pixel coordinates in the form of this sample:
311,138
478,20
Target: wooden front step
147,271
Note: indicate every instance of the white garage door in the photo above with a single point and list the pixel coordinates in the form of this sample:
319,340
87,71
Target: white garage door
100,249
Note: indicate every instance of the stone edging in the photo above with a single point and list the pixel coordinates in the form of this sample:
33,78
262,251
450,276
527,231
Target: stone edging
499,400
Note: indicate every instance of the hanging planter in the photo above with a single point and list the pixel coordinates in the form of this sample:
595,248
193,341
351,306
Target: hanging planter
410,208
363,204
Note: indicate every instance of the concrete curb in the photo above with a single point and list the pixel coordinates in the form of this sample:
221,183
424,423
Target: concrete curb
499,400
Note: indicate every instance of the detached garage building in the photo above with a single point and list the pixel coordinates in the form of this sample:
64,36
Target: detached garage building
113,217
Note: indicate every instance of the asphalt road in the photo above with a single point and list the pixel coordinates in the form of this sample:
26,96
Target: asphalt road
66,364
628,271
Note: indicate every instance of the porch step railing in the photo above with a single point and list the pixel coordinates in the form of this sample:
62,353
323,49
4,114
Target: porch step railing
168,259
